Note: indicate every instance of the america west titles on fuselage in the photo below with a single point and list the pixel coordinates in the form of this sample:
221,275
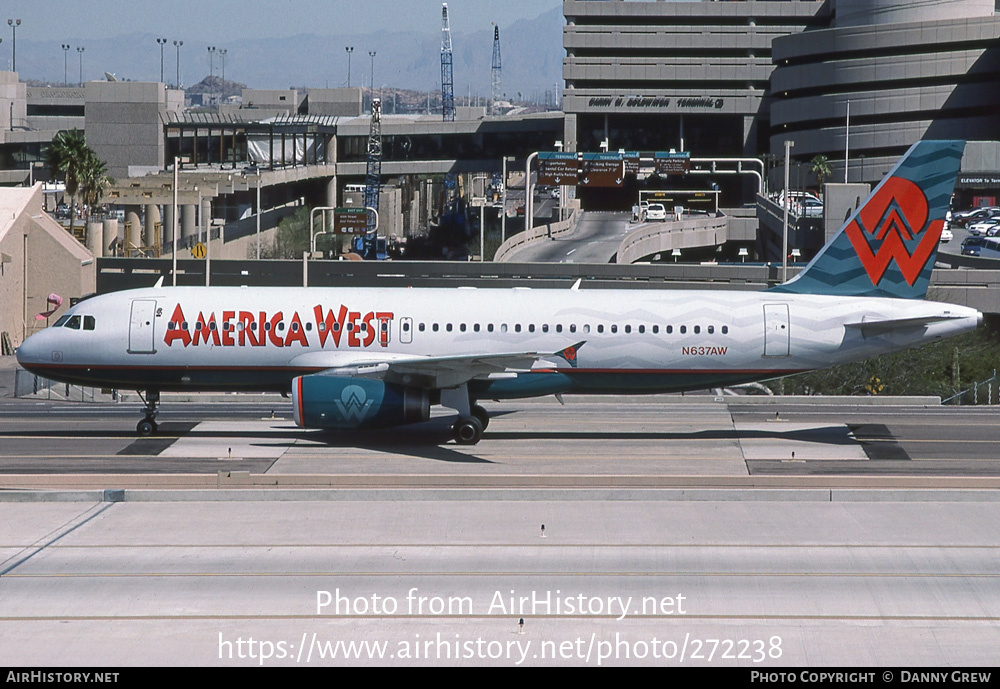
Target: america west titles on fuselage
261,329
376,357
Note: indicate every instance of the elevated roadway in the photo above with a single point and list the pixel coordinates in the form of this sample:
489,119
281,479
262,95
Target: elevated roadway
595,240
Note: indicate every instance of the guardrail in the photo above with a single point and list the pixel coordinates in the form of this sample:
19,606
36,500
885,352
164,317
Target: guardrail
536,233
655,238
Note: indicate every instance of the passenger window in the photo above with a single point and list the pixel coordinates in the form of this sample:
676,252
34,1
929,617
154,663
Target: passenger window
642,329
490,327
517,328
614,328
462,327
421,327
656,329
531,328
600,328
476,327
711,330
725,329
434,327
503,327
628,328
670,329
545,327
559,327
586,328
448,327
406,327
684,329
697,329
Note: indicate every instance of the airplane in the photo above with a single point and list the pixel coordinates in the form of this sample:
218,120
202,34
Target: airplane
369,357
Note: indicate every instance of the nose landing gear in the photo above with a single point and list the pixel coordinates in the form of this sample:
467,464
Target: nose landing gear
147,426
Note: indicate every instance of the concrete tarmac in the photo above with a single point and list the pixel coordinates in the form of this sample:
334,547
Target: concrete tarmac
444,579
677,531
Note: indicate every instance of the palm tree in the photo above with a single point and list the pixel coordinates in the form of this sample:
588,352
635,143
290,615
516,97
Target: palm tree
64,157
94,181
821,168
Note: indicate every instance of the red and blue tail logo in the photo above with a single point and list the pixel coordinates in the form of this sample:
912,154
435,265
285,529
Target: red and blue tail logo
887,247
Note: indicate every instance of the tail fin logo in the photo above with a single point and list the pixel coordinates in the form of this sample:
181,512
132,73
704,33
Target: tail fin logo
893,225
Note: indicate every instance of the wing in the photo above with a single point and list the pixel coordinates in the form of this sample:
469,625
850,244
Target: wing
432,372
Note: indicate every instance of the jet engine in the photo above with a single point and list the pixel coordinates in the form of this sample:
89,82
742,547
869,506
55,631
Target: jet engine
323,401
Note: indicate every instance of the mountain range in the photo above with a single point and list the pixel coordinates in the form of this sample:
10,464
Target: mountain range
531,49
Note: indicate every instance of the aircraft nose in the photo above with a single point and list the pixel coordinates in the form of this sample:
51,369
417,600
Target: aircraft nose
33,351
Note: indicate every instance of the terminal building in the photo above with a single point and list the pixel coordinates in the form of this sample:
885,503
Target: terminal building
736,79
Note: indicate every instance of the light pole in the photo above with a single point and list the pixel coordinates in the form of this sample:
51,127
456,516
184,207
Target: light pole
177,80
162,42
349,49
222,54
211,69
79,50
788,200
371,54
847,141
65,47
13,24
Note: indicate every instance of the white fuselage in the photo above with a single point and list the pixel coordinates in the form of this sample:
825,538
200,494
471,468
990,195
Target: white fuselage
640,340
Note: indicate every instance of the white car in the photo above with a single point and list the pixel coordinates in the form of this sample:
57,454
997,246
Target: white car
656,211
946,236
982,227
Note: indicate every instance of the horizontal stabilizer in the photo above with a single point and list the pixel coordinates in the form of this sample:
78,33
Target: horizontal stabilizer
891,324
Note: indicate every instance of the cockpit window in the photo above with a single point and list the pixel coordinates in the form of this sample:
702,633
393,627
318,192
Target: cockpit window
89,323
73,322
62,321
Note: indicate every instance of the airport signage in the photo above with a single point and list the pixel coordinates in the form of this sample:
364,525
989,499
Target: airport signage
557,168
979,180
631,159
602,170
655,102
350,220
672,163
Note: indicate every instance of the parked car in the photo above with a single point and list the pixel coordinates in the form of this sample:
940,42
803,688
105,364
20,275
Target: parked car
980,228
656,211
812,208
946,235
972,246
973,215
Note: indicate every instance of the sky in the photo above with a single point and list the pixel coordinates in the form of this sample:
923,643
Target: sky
218,21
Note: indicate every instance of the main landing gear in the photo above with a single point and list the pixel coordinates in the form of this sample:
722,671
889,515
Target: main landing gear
148,424
472,418
468,430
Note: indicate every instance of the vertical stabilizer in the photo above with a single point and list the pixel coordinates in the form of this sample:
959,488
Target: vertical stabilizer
887,247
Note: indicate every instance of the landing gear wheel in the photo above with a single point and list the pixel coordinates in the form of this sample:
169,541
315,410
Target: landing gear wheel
148,424
481,415
467,431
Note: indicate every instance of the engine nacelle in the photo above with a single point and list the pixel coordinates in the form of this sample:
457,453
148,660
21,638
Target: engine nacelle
321,401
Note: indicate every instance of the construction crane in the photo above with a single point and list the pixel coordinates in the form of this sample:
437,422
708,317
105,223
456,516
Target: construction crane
447,78
495,73
367,244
